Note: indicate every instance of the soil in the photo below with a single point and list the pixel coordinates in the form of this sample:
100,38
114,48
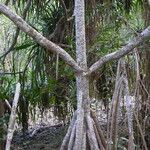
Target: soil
44,138
44,134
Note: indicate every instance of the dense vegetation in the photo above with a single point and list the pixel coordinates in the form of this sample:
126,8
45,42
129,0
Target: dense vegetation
48,83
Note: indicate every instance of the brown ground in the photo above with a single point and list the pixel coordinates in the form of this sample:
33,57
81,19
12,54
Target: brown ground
46,138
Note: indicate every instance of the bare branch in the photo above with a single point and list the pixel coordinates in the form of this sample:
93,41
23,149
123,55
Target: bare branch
122,51
39,38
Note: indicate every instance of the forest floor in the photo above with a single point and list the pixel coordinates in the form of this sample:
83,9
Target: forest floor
45,138
46,133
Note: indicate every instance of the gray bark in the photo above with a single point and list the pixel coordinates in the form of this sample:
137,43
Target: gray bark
12,119
122,51
67,136
82,82
18,21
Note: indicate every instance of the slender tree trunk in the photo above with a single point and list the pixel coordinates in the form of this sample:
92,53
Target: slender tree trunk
82,82
82,129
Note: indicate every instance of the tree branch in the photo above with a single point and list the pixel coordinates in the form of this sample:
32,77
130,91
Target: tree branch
40,39
121,52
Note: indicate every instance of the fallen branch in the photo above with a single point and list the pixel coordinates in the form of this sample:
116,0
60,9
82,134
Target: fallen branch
11,126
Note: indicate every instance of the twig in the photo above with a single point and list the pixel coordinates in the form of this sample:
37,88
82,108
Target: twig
11,126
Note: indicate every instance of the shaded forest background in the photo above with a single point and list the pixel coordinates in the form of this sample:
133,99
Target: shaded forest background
47,83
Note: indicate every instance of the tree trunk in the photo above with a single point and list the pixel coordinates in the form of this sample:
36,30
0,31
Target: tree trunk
83,132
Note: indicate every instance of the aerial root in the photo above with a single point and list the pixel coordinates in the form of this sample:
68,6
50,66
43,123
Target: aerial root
67,136
72,138
99,130
85,134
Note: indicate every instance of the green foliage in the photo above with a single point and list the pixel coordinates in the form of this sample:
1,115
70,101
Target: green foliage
6,87
116,22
